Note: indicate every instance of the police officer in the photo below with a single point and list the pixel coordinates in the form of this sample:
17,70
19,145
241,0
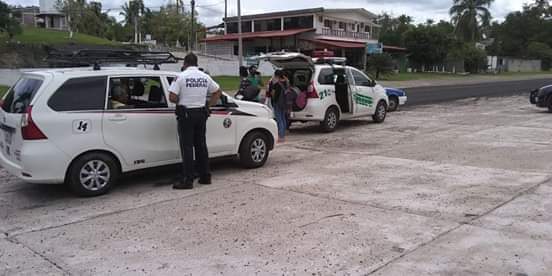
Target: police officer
190,91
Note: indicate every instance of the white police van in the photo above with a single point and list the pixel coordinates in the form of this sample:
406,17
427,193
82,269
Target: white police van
62,125
333,91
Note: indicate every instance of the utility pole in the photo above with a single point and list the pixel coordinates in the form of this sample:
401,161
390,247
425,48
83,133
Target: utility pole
135,29
193,32
225,10
131,6
177,6
240,39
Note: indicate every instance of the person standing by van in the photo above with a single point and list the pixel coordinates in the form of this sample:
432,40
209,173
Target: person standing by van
256,81
190,91
278,100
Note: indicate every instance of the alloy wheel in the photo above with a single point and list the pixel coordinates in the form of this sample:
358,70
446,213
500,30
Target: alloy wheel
258,150
94,175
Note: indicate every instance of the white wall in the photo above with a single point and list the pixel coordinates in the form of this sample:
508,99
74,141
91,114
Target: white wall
219,66
522,65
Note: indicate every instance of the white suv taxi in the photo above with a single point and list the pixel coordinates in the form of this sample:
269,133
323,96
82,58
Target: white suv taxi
333,92
85,127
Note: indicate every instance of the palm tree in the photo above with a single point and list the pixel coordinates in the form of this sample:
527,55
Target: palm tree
470,17
542,7
132,12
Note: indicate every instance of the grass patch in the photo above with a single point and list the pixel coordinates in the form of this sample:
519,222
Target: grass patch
420,76
3,90
53,37
231,83
447,76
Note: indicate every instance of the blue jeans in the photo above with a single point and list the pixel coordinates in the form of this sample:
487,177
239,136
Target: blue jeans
281,120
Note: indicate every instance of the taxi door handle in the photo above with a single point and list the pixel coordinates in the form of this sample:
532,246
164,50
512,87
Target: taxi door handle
118,118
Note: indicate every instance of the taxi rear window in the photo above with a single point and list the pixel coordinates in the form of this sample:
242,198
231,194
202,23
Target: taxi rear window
20,96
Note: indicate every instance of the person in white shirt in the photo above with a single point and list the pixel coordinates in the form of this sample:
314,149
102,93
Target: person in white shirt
190,92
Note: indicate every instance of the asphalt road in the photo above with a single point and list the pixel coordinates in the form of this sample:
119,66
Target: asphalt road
435,94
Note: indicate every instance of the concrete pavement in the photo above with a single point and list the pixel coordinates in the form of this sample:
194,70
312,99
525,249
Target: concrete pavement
455,189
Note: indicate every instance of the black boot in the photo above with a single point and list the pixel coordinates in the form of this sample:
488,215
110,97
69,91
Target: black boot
205,180
184,184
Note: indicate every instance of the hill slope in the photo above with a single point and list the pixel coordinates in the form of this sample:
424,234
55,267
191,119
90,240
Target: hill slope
53,37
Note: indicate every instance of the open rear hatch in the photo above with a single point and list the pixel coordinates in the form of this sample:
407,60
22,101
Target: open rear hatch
287,60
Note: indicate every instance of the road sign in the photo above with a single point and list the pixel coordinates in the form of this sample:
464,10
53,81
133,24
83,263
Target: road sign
374,48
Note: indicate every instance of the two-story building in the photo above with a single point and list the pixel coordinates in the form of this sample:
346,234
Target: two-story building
346,32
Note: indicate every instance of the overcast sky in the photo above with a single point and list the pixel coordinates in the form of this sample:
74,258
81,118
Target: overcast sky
212,11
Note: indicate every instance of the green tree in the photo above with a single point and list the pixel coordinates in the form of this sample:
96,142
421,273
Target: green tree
542,51
470,18
393,29
115,31
133,11
8,24
524,34
429,45
475,60
169,25
380,64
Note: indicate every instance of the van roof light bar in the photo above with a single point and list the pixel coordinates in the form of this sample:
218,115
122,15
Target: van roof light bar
330,60
87,57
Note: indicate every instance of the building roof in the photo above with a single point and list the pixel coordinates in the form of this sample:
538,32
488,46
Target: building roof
268,34
359,10
337,44
298,12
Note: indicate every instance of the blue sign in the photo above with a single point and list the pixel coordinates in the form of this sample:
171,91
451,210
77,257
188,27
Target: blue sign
374,48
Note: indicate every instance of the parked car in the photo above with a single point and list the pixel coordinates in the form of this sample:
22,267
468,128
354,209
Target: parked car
68,125
397,97
333,91
542,97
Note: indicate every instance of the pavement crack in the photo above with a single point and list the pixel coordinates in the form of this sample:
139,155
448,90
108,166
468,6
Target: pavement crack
516,196
321,219
42,256
408,252
460,224
364,204
120,211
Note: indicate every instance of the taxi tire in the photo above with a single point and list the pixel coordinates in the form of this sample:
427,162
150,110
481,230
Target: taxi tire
379,118
550,104
327,125
393,104
73,180
245,155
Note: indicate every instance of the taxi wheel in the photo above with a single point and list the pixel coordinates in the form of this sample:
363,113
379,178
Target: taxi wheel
393,104
331,120
254,150
381,112
550,105
93,174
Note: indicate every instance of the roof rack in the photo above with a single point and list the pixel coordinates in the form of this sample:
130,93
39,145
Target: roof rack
96,57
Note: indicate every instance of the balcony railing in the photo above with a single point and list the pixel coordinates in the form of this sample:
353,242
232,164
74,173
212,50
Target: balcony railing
346,34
